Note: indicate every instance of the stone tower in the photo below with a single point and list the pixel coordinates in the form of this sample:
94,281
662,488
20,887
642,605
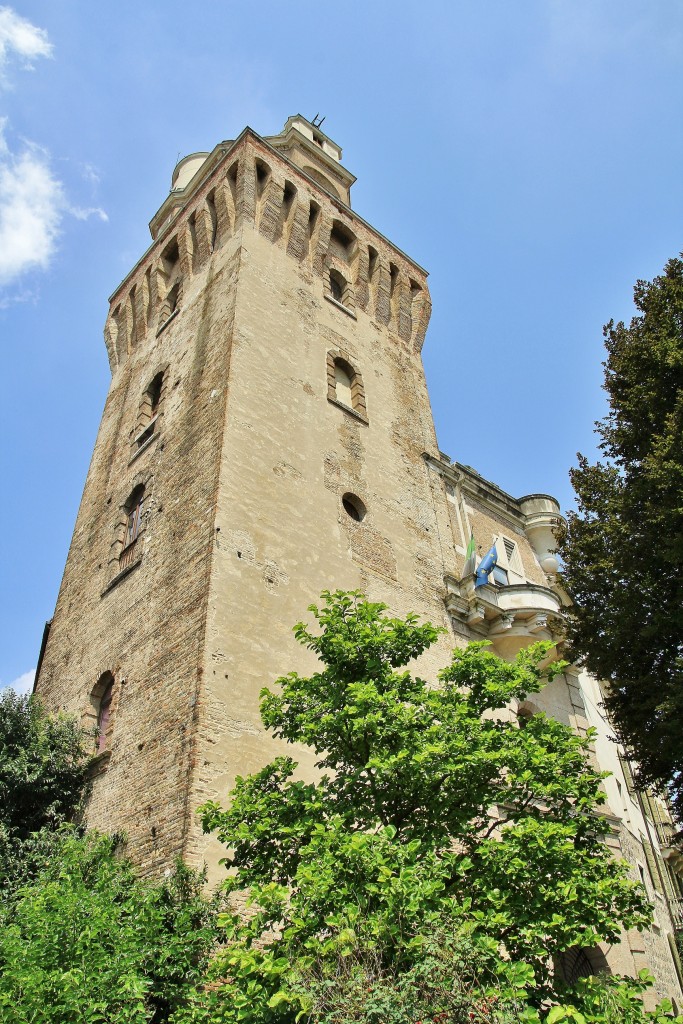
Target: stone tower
262,440
268,435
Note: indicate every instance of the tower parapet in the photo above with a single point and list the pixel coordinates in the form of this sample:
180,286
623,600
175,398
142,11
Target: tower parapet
295,191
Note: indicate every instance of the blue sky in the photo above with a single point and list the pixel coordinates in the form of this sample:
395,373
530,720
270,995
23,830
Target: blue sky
528,154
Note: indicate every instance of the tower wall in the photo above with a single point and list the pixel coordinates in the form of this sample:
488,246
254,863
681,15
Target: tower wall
145,623
244,470
291,453
269,410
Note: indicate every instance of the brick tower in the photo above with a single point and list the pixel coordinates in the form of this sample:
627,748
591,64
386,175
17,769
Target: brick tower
268,435
262,440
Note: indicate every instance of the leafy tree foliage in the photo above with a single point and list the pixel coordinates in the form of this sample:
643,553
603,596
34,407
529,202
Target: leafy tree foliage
623,549
43,772
395,842
43,765
82,938
87,940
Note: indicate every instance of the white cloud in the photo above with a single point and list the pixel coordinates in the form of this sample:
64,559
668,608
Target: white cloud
23,683
91,174
25,295
81,213
33,202
18,36
32,205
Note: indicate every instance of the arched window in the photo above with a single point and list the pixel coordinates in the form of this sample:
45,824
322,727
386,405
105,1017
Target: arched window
578,962
149,410
345,385
338,286
104,717
100,710
342,383
133,510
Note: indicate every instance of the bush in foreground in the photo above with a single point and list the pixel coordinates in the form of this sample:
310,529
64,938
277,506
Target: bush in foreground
87,940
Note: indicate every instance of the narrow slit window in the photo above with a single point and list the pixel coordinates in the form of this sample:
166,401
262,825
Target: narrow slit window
133,525
104,717
154,392
393,279
288,197
313,216
373,263
343,383
169,281
211,206
192,224
262,177
148,296
149,410
173,298
132,301
353,507
337,286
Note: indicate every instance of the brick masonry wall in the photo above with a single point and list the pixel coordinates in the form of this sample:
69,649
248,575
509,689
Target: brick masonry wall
148,629
244,475
290,454
284,453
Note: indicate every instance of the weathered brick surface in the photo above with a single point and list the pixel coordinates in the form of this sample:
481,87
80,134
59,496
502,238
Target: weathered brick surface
148,629
244,474
236,463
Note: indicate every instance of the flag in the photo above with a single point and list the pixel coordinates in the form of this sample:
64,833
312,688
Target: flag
486,566
470,558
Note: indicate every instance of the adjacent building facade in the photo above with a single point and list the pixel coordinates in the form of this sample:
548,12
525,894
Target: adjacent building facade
268,435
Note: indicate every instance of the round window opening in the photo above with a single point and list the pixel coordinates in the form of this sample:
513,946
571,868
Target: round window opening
353,507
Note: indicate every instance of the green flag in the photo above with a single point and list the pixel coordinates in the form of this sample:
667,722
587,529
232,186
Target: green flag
470,558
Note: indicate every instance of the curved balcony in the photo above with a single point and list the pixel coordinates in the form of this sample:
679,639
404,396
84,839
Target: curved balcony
510,617
519,597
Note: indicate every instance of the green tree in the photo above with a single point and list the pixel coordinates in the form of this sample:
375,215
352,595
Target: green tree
395,842
43,774
623,548
87,940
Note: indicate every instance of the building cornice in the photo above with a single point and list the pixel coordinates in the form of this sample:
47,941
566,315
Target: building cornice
222,153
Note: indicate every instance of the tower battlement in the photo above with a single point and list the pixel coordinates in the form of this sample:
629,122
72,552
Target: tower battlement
277,186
